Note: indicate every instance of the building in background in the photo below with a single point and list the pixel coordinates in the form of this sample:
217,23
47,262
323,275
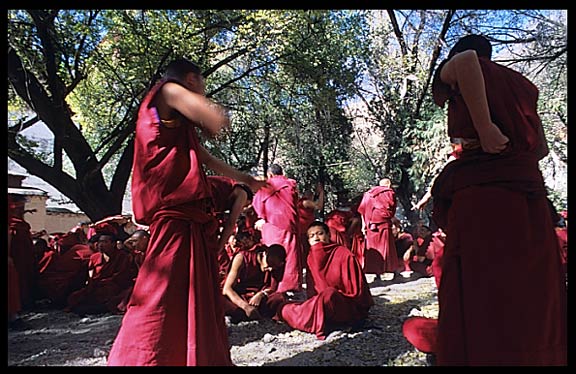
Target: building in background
38,214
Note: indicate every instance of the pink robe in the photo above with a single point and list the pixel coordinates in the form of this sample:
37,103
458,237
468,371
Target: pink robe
277,205
502,297
337,289
377,208
175,315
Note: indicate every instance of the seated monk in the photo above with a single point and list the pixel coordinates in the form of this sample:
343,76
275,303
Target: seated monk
63,270
110,272
337,290
137,244
252,280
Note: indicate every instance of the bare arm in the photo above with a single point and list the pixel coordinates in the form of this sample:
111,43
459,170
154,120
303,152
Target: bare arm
231,277
464,71
223,168
240,198
197,108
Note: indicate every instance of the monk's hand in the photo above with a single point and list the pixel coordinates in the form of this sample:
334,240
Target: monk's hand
492,139
259,224
252,312
256,299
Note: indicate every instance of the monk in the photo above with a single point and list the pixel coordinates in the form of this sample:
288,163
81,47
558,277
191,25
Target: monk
338,294
421,254
308,206
111,272
502,297
252,280
338,220
63,270
403,241
229,199
21,251
354,231
561,228
13,292
377,208
137,245
175,315
277,207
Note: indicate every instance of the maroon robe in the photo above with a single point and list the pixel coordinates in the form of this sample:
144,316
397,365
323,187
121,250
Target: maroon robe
437,250
377,208
251,280
108,284
222,188
13,302
357,238
22,253
175,315
337,289
63,273
337,220
502,296
562,234
422,249
277,205
403,242
305,217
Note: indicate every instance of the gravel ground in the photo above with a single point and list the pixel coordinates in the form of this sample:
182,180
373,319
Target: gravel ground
56,338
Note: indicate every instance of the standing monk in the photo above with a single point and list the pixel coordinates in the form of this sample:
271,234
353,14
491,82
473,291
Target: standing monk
277,208
377,208
502,298
175,315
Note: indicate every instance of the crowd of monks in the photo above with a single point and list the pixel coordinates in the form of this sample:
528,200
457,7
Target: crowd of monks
272,238
92,267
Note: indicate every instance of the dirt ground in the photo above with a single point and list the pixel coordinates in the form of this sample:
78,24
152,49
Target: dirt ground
47,337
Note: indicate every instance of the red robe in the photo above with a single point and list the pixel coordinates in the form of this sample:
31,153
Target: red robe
277,205
13,302
106,289
175,315
357,238
338,294
305,217
337,220
377,208
562,234
437,249
222,188
251,280
22,254
63,273
422,249
403,242
502,297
